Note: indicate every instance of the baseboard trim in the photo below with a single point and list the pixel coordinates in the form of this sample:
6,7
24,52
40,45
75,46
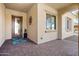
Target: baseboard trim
32,41
47,41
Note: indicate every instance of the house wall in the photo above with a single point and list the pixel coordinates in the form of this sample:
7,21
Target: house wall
9,14
2,24
59,26
61,14
42,10
65,33
32,29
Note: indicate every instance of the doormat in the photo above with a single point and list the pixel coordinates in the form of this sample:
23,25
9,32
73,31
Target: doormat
16,41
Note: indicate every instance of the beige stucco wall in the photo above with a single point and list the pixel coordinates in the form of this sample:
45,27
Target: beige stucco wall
2,24
38,27
42,10
65,33
61,12
32,29
10,12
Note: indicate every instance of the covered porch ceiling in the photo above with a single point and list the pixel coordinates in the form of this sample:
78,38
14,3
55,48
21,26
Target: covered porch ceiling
24,7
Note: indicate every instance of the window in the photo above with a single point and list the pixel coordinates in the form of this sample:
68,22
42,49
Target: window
68,24
50,22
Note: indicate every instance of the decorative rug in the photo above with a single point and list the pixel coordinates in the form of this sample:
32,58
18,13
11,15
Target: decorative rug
18,40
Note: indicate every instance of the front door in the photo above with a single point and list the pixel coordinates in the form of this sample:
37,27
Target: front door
16,26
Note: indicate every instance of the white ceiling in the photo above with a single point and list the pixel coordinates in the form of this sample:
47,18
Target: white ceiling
25,6
58,5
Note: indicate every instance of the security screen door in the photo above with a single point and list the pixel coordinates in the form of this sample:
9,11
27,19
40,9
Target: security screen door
16,26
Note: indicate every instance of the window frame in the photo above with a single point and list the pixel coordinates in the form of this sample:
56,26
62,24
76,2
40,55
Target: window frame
50,30
68,24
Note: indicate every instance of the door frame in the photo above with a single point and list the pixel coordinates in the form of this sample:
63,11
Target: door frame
12,20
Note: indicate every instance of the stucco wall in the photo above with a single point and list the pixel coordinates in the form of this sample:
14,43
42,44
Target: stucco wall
61,21
2,24
42,10
9,14
65,33
32,29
